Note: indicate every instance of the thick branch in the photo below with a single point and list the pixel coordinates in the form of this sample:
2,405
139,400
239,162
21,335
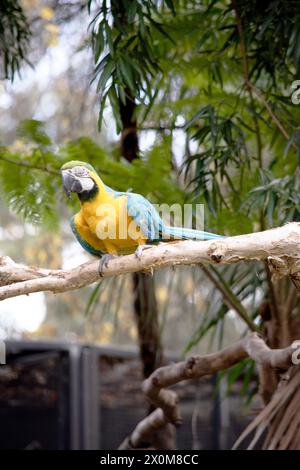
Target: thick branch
280,247
198,366
144,431
155,387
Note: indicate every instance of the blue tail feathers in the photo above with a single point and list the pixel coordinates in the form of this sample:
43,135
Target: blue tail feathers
182,233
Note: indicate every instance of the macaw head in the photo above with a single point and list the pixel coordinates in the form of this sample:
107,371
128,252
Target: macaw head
81,178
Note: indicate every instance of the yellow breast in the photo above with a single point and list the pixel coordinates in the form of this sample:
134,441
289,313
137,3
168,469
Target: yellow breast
110,227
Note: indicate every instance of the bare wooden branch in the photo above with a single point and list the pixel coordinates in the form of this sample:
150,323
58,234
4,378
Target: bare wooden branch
155,387
280,247
144,431
11,272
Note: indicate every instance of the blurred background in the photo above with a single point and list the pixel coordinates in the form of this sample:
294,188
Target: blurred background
57,91
154,94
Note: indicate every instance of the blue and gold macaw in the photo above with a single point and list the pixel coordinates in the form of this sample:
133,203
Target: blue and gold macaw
112,223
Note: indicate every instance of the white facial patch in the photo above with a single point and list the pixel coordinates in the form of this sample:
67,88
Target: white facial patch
87,183
83,175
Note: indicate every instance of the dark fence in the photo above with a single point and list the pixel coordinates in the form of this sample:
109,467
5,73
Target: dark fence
56,395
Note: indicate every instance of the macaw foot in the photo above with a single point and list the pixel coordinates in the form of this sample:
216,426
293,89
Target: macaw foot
138,252
103,263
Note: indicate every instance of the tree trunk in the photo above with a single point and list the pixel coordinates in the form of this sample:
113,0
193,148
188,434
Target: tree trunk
129,137
145,305
146,315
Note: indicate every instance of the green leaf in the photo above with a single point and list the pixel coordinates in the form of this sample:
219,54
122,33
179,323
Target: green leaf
94,297
126,71
202,113
105,75
109,39
101,111
113,98
98,43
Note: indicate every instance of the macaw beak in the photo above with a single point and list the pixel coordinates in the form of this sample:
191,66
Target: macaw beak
71,184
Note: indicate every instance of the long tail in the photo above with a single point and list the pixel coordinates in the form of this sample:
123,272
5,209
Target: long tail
182,233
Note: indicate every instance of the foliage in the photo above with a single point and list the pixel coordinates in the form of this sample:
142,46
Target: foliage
202,79
126,59
30,181
278,198
14,37
183,60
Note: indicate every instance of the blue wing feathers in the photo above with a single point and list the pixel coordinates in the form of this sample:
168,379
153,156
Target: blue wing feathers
147,218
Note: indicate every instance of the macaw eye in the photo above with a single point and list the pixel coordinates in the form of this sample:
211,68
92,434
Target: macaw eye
80,171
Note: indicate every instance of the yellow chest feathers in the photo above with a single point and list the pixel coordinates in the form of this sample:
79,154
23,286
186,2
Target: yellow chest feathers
105,221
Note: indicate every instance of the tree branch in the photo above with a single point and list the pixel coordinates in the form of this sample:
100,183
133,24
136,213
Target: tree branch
144,431
198,366
29,166
155,387
280,247
272,115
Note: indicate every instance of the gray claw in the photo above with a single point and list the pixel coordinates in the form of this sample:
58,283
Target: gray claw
103,263
138,252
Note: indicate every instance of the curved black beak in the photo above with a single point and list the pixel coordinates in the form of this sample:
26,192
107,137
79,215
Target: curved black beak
70,183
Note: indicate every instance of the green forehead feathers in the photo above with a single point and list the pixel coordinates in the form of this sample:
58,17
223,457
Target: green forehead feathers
73,163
